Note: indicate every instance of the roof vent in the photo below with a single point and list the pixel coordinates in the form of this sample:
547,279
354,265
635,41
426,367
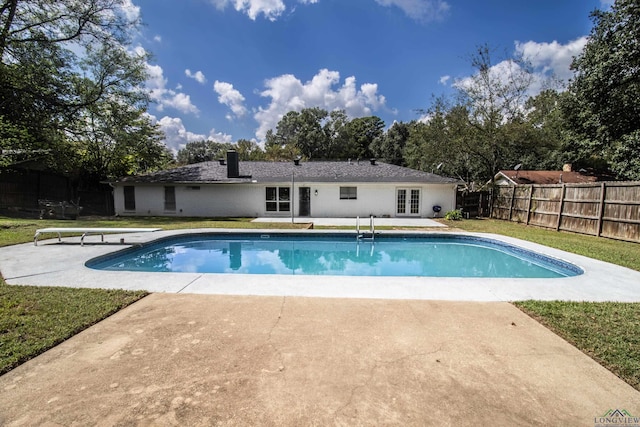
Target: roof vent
373,161
296,161
222,162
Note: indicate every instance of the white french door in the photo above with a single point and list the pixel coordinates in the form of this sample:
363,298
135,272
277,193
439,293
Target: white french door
408,201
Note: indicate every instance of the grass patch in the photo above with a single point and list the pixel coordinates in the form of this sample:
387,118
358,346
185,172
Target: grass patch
609,332
34,319
14,231
626,254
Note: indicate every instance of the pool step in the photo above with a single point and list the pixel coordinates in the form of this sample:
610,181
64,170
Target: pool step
364,235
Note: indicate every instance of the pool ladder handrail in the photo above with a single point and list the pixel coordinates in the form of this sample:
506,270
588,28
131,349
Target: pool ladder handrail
372,229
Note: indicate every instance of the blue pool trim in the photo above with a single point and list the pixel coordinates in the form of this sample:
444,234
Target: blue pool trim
560,266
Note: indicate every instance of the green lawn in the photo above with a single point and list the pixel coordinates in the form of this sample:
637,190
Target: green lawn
35,319
608,332
13,231
617,252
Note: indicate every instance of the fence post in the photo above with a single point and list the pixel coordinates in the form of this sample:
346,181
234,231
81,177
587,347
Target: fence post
560,207
603,190
513,196
493,193
529,204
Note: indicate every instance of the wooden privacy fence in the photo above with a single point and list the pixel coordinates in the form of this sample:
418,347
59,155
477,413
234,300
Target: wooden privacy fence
606,209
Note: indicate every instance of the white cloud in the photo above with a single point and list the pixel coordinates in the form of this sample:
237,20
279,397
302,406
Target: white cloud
219,136
421,10
179,101
157,38
552,58
288,93
157,86
550,63
130,11
177,136
444,80
230,97
197,76
271,9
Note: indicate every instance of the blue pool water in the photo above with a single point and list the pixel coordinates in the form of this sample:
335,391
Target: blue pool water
337,254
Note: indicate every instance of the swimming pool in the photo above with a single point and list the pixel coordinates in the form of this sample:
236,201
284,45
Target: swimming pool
416,255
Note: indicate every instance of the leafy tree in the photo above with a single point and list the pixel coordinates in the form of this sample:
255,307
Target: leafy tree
313,133
390,145
336,131
118,139
434,145
494,97
277,147
66,76
113,135
604,104
249,150
545,129
203,151
298,133
310,138
360,134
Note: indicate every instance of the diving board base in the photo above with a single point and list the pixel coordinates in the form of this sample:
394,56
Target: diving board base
87,231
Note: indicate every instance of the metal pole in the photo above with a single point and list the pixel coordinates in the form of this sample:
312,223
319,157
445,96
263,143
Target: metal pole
293,181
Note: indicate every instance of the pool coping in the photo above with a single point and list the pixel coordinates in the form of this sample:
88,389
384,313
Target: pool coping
63,264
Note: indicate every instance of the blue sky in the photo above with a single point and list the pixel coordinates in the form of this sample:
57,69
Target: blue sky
229,69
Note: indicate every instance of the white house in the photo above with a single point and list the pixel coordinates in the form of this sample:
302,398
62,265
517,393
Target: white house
257,189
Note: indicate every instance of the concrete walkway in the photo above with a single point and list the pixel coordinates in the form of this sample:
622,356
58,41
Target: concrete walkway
204,360
351,222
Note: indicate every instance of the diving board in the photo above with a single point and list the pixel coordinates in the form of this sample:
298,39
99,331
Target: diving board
88,230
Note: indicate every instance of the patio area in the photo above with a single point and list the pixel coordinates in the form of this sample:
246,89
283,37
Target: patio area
202,360
351,222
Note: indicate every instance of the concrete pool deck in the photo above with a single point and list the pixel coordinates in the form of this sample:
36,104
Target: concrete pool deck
63,264
209,360
397,357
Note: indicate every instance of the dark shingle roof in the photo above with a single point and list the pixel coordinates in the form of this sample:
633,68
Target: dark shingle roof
354,171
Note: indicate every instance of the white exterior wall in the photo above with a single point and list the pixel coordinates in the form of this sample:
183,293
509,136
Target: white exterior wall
220,200
248,200
377,199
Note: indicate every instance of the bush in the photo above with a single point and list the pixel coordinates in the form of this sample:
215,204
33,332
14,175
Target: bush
454,215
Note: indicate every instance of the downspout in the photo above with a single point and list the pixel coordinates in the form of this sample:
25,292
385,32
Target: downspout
293,183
